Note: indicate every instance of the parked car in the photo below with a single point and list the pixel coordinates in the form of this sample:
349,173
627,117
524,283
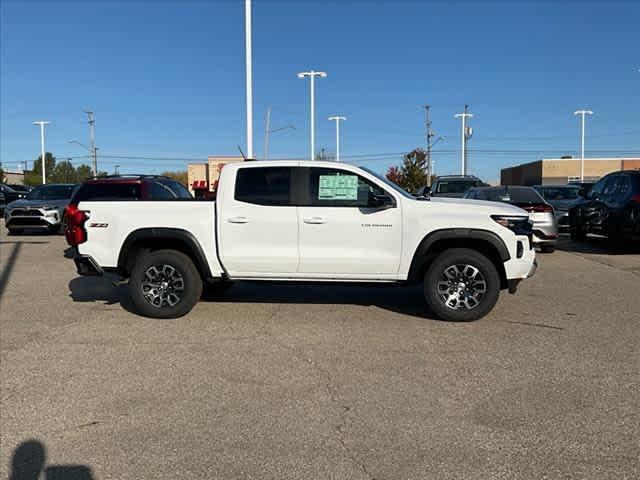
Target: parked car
545,228
130,187
20,188
305,221
453,186
611,208
561,198
11,194
3,203
42,209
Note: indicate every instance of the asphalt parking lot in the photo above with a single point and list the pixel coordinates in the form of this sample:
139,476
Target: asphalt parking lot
320,382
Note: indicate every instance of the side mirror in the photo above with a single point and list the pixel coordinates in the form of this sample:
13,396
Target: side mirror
380,201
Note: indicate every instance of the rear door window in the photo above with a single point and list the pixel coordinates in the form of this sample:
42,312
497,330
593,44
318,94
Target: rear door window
264,186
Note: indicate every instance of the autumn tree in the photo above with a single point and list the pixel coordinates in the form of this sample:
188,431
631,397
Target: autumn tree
412,174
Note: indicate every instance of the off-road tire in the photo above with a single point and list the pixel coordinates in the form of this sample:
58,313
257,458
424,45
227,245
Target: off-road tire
461,257
185,269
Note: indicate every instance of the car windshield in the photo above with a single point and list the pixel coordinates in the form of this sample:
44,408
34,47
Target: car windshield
455,186
51,192
560,193
8,189
389,183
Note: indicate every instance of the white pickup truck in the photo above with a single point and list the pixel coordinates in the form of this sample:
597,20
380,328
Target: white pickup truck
305,221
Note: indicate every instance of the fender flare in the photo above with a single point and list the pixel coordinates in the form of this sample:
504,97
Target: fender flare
421,254
175,234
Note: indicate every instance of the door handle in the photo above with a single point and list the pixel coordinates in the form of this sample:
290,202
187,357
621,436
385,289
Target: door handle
238,220
315,220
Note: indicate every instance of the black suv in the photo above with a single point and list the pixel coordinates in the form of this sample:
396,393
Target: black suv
454,186
611,207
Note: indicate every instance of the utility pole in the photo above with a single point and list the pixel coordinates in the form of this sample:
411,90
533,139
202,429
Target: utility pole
267,128
42,123
466,134
268,131
337,119
116,170
312,75
249,77
582,114
92,140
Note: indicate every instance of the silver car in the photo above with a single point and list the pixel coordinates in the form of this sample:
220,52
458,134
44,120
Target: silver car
42,209
561,198
541,214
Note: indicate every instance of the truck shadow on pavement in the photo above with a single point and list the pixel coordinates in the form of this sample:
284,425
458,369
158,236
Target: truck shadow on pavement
399,299
29,462
406,300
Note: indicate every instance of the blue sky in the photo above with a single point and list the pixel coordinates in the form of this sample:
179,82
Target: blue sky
166,78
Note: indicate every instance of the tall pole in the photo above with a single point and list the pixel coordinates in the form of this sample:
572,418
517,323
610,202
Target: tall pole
92,141
42,123
337,120
267,131
430,134
249,78
464,117
312,75
582,114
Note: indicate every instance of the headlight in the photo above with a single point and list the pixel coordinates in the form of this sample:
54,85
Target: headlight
517,224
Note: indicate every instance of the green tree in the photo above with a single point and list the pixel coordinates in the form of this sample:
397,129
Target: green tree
34,177
64,172
83,172
1,174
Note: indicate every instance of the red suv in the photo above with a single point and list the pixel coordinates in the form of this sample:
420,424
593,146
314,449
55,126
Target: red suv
118,188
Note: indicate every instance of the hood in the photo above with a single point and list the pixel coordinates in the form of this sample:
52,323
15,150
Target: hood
24,203
481,205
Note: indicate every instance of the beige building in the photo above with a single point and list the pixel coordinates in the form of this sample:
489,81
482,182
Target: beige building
14,177
208,172
558,171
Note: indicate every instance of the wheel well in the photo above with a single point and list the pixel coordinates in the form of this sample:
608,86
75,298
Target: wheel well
142,246
422,260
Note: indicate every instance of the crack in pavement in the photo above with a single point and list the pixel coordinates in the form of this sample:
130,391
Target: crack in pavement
331,389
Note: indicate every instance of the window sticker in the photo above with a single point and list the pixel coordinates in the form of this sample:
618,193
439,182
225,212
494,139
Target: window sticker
338,187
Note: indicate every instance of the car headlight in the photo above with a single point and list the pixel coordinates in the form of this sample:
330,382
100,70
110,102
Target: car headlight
518,224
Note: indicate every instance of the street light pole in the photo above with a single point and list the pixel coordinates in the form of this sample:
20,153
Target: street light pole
249,77
582,114
312,75
464,117
42,123
337,119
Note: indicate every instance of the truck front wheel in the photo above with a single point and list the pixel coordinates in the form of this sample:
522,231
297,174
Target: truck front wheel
164,284
461,285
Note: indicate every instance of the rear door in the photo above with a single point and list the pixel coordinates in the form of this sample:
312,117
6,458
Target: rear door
258,224
340,234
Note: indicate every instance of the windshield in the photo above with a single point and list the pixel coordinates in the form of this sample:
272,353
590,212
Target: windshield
560,193
455,186
51,192
389,183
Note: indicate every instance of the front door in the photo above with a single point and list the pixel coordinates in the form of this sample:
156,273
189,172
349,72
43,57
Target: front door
340,233
258,224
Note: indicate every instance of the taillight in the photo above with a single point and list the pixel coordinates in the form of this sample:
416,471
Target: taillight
75,232
636,198
541,208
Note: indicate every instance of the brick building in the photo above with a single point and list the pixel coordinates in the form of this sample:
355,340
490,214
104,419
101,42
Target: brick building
559,171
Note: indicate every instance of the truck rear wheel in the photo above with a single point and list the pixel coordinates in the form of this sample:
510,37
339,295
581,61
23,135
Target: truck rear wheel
164,284
461,285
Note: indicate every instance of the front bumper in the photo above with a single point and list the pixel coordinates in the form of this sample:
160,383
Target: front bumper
32,218
86,265
513,283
